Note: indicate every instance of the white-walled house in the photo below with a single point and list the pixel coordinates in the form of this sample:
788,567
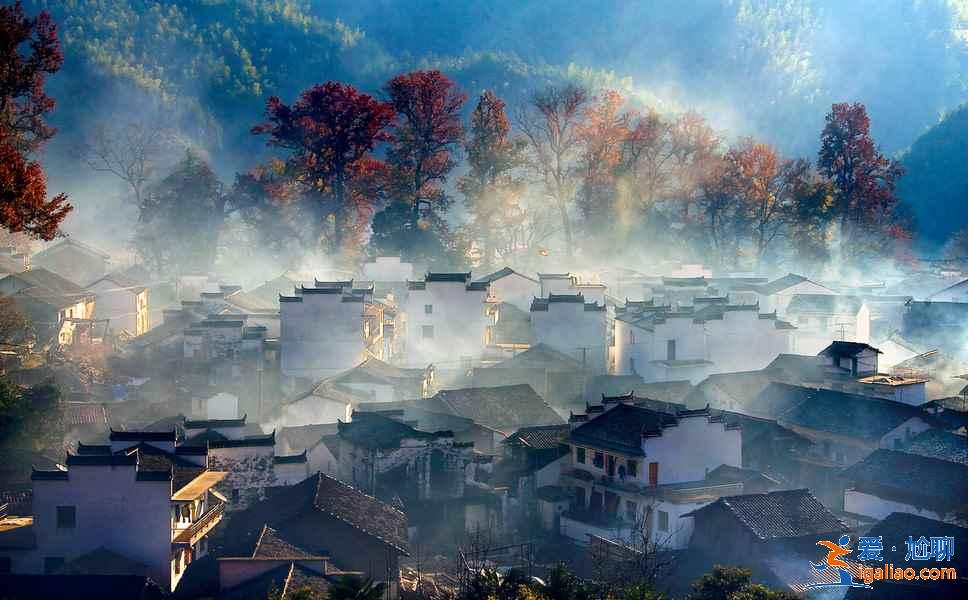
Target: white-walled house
776,295
569,284
507,285
889,481
823,318
142,497
73,260
574,327
633,467
446,319
663,343
322,329
123,302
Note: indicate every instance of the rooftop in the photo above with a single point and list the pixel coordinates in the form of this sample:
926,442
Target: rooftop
835,412
502,408
779,515
921,481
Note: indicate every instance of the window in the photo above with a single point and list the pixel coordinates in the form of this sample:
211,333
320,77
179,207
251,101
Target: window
52,563
235,495
580,455
428,309
670,349
632,468
663,521
599,460
66,517
653,473
428,331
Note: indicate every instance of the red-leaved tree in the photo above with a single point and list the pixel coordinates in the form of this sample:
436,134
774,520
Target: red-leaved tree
331,132
863,180
29,51
429,128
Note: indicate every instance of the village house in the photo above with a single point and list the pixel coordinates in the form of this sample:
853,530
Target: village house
446,320
634,470
385,457
843,428
142,497
74,260
888,481
509,333
568,284
275,569
573,327
555,376
123,303
823,318
323,402
12,261
508,286
776,295
938,443
320,442
325,330
252,465
666,343
60,310
326,517
773,534
497,411
384,382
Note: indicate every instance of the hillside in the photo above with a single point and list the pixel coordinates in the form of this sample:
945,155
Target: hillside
936,182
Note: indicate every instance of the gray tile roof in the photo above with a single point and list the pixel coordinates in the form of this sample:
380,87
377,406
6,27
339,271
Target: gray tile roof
921,481
778,515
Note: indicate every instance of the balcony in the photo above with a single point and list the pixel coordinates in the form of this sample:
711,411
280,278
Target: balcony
200,528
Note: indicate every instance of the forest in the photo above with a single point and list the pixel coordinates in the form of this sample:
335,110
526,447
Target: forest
276,131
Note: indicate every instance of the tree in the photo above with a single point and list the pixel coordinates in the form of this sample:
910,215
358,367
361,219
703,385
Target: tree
330,133
24,206
490,188
30,417
863,179
694,150
602,133
23,102
427,131
181,218
130,152
762,189
354,587
645,156
15,328
550,123
809,230
733,583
